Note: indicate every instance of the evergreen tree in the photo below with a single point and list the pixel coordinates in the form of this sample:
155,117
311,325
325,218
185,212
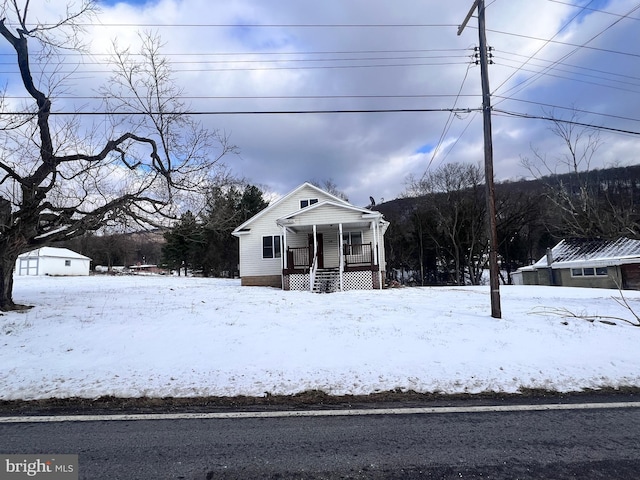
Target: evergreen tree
226,209
184,243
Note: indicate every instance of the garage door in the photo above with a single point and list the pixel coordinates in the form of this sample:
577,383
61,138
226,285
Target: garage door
631,277
28,266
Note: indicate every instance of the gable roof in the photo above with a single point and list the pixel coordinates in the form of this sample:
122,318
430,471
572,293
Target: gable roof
53,252
275,204
363,215
329,203
593,251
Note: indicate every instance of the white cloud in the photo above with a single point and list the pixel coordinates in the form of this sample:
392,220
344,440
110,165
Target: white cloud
373,152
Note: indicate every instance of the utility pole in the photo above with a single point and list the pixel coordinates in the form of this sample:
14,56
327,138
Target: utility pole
494,279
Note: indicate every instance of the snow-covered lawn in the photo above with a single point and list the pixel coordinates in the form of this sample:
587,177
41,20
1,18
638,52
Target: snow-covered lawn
168,336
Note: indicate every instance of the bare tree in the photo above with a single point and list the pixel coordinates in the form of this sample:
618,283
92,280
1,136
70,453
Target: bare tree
454,201
519,222
57,182
331,187
582,205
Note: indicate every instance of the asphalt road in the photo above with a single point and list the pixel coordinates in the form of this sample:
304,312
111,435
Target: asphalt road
561,444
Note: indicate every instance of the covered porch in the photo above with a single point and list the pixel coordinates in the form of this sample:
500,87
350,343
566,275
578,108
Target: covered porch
331,257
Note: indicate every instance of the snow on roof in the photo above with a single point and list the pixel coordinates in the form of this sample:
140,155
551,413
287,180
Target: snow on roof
579,250
53,252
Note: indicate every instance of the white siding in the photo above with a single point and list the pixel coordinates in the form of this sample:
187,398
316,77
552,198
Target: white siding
56,266
327,215
63,266
251,261
292,204
52,261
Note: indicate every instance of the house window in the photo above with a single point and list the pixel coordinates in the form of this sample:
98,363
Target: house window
67,263
352,243
271,247
308,201
590,272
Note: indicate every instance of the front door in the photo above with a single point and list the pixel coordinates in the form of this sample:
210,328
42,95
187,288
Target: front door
320,249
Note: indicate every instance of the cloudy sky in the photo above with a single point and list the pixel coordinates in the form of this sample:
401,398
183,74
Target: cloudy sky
315,90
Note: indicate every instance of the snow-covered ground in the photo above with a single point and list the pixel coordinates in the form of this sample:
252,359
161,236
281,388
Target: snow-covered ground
168,336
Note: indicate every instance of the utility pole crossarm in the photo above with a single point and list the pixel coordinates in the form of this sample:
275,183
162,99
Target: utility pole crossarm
468,17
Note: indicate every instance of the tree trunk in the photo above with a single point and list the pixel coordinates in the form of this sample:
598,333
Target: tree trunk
7,262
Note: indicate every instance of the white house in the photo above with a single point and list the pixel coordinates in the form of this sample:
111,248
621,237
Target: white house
52,261
312,240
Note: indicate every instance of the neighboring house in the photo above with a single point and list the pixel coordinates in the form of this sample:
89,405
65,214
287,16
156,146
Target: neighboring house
586,263
312,240
52,261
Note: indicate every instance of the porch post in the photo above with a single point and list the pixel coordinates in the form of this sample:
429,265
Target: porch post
374,227
376,236
341,257
284,249
312,270
315,242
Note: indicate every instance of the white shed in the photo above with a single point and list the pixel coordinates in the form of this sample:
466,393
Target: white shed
52,261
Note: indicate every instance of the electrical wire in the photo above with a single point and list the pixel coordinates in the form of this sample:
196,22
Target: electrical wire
540,49
260,61
246,25
560,120
547,74
260,69
255,112
571,109
264,97
592,9
607,73
567,44
538,75
447,124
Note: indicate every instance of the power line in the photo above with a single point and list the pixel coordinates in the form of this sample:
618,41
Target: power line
559,120
570,65
279,60
262,97
540,49
253,69
584,45
251,25
447,124
260,53
593,9
556,42
257,112
572,109
538,73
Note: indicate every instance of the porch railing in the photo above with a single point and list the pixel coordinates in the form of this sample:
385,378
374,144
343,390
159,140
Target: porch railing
355,255
358,254
298,258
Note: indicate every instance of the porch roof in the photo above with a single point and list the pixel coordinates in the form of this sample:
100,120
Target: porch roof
331,213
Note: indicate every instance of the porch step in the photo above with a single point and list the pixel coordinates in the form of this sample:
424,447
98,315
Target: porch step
327,280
